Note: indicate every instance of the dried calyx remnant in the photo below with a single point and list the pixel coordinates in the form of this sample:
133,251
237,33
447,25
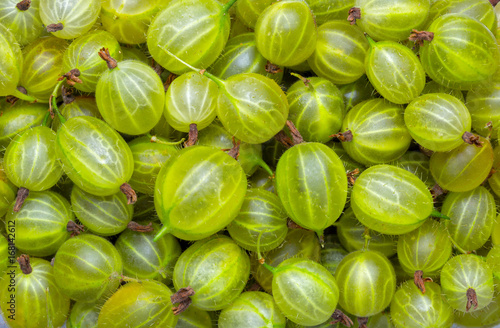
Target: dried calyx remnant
235,151
339,316
22,194
129,192
363,322
343,136
183,298
420,36
24,264
437,191
272,68
471,299
419,280
285,140
193,135
134,226
105,55
354,14
55,27
24,5
74,228
472,139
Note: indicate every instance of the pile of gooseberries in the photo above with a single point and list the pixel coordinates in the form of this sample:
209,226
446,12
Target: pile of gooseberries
249,163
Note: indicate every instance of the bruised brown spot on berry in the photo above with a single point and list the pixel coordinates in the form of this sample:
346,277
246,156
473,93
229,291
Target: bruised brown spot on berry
472,139
339,316
182,297
354,14
351,176
74,228
419,280
420,36
471,299
169,81
129,192
24,5
55,27
437,191
105,55
272,68
193,135
24,264
22,194
343,136
134,226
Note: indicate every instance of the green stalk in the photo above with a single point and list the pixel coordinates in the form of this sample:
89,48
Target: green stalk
261,259
46,120
22,96
370,40
228,6
156,140
435,213
54,101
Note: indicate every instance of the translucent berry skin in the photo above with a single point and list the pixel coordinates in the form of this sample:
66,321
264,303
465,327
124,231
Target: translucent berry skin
81,106
332,253
130,97
84,315
390,200
427,248
463,272
11,65
417,163
356,92
76,16
195,31
25,25
191,98
434,87
340,52
37,172
486,317
392,20
483,104
195,318
472,215
83,54
410,308
224,266
328,10
199,192
8,191
369,271
394,71
87,267
41,223
378,130
463,168
316,108
308,176
248,11
18,118
35,307
252,309
93,155
305,292
437,121
252,107
462,52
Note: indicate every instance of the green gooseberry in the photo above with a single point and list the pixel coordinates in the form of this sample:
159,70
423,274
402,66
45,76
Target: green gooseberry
23,19
198,192
312,185
330,10
469,48
438,121
18,118
252,309
38,300
42,224
42,66
488,316
349,163
417,163
80,106
102,215
164,130
148,301
149,158
355,92
427,248
8,190
472,214
367,271
4,249
286,33
225,269
467,282
194,318
463,168
493,260
241,56
340,52
353,236
144,208
84,315
394,71
413,309
145,259
374,132
483,103
316,108
87,268
332,253
495,233
262,220
390,200
135,54
494,180
83,54
391,20
434,87
262,179
248,11
195,31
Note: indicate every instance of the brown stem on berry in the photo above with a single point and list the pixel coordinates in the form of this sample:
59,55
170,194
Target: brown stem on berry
492,171
193,135
235,151
74,228
104,54
169,81
471,299
24,5
419,280
72,77
254,288
134,226
420,36
343,136
182,297
272,68
472,139
158,68
296,136
55,27
303,79
351,179
339,316
354,14
129,192
24,264
437,191
22,194
52,261
425,151
284,139
363,321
